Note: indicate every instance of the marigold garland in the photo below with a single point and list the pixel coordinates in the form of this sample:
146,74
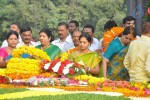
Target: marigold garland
19,68
67,55
110,35
126,91
90,79
34,52
3,71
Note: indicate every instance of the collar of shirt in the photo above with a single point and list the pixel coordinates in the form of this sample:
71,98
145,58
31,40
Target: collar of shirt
95,41
68,39
19,39
23,44
95,45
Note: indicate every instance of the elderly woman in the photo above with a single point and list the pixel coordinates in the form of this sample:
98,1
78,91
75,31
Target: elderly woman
5,52
46,38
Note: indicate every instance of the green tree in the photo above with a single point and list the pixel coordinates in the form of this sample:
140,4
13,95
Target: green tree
48,13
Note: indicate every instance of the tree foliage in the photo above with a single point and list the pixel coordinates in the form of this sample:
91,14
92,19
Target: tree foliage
48,13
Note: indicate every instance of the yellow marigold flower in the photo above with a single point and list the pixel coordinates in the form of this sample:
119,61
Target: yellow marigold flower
34,52
64,56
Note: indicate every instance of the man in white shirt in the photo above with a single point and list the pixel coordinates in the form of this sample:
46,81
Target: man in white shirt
90,30
64,42
14,27
26,35
75,38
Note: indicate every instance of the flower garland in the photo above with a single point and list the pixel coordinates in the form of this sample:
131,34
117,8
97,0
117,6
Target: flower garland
68,54
64,56
34,52
19,68
90,79
66,67
138,89
127,88
110,35
2,71
42,81
4,80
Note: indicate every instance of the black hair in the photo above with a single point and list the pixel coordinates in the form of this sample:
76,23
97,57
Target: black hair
89,26
110,24
11,32
17,24
129,30
63,23
75,22
48,32
87,36
24,29
128,18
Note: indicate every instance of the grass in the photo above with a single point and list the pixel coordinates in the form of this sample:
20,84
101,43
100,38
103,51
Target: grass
80,96
11,90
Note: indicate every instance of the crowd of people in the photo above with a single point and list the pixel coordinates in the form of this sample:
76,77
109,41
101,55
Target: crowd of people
120,55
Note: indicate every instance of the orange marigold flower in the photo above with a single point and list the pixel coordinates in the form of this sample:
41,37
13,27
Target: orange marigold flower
110,35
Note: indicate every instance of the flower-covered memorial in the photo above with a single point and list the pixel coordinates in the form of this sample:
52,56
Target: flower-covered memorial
25,62
36,70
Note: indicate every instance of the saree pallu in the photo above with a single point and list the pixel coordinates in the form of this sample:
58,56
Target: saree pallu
116,69
91,59
52,51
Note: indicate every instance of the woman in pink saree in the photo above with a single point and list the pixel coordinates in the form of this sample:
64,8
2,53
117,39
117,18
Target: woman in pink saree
5,53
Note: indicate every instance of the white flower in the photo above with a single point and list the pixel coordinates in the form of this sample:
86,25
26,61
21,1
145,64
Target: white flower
69,65
83,71
65,70
46,66
35,83
76,69
56,67
83,83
